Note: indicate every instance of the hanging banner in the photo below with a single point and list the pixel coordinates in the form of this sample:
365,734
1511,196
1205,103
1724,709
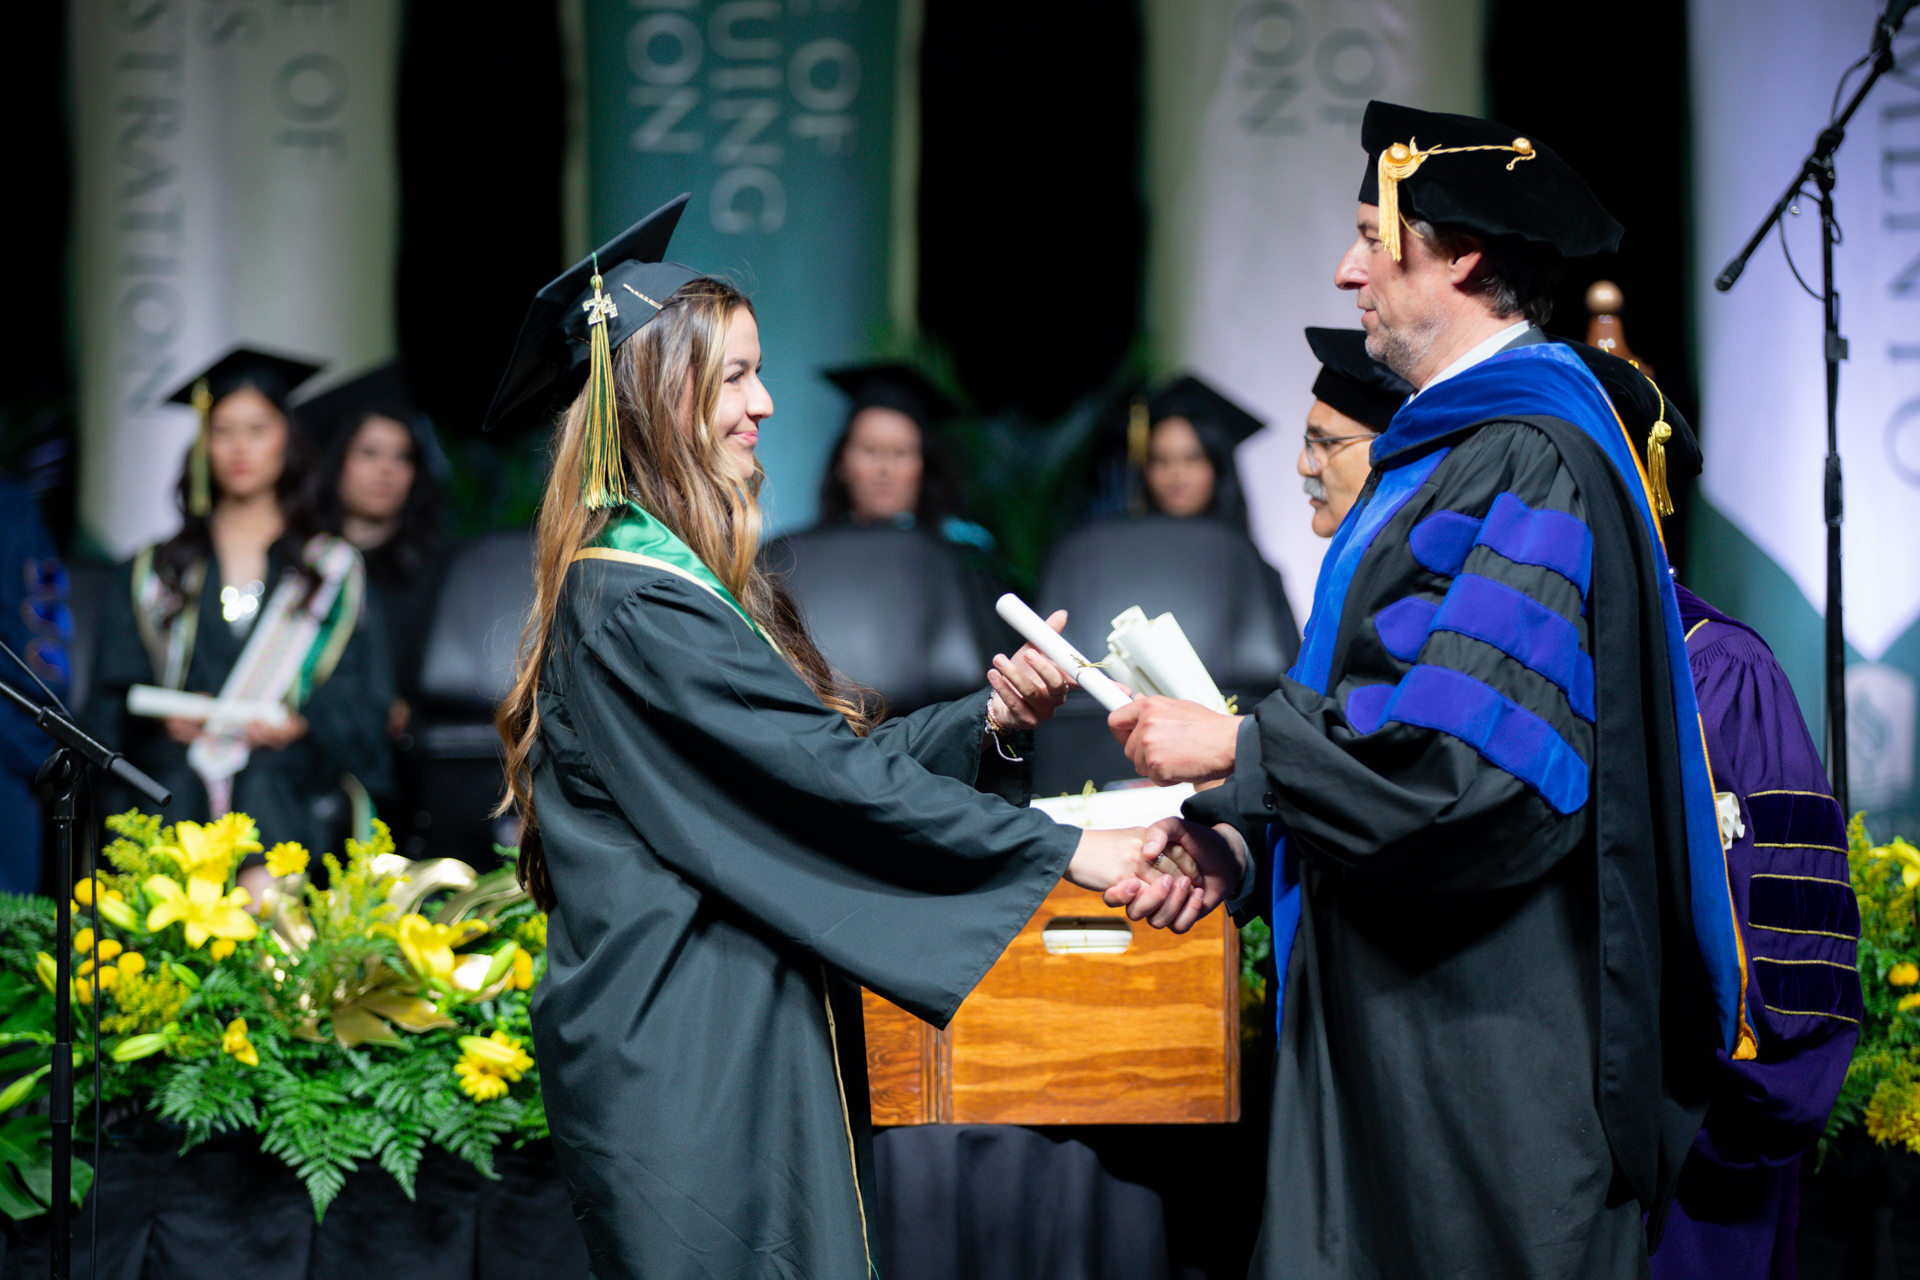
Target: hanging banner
779,118
235,182
1253,133
1764,73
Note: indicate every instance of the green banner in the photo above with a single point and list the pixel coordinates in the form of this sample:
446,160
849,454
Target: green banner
779,118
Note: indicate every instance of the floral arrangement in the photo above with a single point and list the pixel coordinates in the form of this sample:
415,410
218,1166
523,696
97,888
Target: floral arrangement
1882,1089
359,1021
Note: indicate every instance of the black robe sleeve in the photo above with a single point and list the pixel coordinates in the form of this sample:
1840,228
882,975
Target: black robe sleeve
1415,806
846,848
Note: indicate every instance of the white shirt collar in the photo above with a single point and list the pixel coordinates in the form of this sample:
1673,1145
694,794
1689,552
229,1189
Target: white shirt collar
1491,347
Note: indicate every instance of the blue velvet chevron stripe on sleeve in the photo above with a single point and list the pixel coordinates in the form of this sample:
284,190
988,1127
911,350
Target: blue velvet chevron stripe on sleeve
1550,539
1518,541
1500,729
1523,629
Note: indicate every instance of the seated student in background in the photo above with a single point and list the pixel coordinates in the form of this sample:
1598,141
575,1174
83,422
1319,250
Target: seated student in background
378,486
887,468
1189,468
250,599
891,580
1354,399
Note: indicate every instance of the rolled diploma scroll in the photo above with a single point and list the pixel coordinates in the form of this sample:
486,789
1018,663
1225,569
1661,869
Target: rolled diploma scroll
1035,631
151,700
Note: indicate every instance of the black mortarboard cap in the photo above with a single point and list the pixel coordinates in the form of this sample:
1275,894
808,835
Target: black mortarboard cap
1190,398
1641,404
274,376
1354,382
1493,191
340,409
550,357
894,385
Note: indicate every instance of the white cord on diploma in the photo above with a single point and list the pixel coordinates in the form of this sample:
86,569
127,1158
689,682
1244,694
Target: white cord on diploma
1034,630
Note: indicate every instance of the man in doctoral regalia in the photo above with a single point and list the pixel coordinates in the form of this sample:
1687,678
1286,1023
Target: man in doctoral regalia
1479,807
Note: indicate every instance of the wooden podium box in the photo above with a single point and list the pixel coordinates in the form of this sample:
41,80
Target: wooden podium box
1145,1035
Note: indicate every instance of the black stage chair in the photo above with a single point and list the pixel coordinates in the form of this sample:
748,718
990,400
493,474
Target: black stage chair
1228,600
900,611
450,764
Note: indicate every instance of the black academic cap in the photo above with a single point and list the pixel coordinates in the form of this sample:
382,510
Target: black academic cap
549,362
1188,397
1641,404
274,376
1354,382
1540,202
340,409
893,385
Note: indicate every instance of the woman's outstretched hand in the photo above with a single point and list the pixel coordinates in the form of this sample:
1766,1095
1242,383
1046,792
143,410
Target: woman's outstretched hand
1154,878
1170,875
1027,688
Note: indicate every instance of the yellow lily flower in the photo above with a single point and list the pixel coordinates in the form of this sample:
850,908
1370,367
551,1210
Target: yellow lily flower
428,947
487,1065
287,859
222,948
235,1042
208,852
44,967
202,908
1903,975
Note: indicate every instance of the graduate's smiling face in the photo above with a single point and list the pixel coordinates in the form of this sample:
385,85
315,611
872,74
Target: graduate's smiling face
744,401
1405,306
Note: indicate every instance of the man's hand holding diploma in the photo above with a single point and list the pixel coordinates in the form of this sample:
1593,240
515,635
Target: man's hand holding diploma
1171,741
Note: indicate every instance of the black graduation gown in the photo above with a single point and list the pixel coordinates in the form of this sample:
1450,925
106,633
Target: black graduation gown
1463,1086
730,860
405,584
346,719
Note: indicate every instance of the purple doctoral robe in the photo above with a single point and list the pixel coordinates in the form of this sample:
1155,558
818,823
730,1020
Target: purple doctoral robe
1737,1203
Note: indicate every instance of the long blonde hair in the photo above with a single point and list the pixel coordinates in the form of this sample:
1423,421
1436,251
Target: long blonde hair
680,472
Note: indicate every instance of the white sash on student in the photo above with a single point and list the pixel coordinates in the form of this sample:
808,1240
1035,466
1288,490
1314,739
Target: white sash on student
275,660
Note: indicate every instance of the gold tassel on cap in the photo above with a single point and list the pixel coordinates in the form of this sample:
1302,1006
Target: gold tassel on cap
1401,160
603,474
1657,455
199,466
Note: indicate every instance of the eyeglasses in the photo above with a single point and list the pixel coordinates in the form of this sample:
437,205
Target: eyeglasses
1320,449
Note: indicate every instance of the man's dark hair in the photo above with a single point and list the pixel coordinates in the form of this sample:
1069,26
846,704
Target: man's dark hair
1513,280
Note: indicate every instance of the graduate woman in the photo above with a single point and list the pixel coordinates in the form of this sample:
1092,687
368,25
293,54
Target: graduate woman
725,845
251,600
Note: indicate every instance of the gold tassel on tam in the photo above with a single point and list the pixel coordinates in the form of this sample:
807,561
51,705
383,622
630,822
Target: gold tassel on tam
1401,160
199,466
1657,455
603,473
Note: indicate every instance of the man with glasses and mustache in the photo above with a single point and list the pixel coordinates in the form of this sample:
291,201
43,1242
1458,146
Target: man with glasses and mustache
1354,399
1478,810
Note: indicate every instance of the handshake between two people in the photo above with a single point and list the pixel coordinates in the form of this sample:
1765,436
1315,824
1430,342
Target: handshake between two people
1172,873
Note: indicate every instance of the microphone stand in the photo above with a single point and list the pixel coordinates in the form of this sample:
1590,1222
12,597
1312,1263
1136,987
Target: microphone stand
1817,168
59,783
